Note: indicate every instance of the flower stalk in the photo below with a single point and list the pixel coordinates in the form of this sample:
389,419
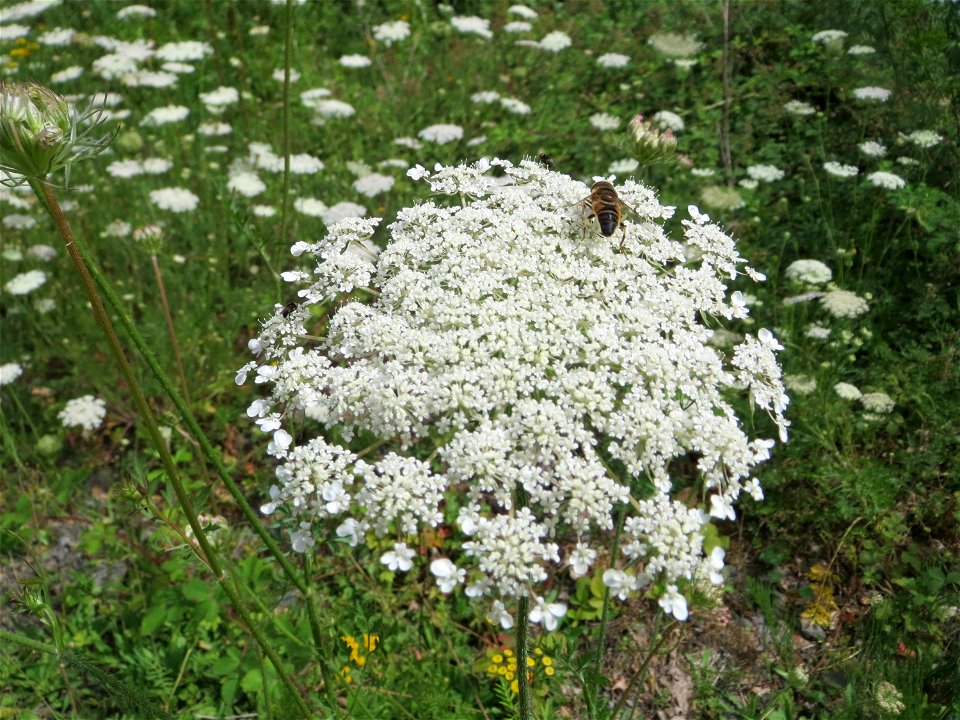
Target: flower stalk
214,459
524,700
171,329
41,135
208,554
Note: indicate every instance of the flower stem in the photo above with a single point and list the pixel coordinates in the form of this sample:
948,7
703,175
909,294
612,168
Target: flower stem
132,698
523,651
207,555
590,692
9,637
170,327
206,447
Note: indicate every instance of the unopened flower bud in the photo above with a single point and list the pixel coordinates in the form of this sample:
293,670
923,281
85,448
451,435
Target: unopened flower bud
40,133
652,144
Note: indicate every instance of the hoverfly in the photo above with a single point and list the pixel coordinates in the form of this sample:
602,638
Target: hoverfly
607,207
545,160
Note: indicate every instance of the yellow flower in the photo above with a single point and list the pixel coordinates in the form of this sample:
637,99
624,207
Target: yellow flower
515,686
498,658
547,661
549,671
370,642
531,662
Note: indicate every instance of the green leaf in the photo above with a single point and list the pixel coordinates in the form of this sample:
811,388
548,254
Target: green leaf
152,620
196,590
224,665
252,681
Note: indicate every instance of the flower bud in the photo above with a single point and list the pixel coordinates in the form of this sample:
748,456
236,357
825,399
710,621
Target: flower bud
40,133
651,143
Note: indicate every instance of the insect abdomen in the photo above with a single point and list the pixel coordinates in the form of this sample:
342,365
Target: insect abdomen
609,221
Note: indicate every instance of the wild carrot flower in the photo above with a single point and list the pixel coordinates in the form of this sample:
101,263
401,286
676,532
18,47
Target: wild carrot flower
828,36
391,32
26,282
674,45
613,60
10,372
178,200
85,412
523,359
523,11
844,304
799,107
812,272
847,391
765,173
471,24
604,121
555,41
441,133
872,92
872,148
840,170
355,61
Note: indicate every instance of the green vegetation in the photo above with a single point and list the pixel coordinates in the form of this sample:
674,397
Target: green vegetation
835,148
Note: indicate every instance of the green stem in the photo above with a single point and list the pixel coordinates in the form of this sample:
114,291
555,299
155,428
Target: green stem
214,459
9,444
525,701
208,555
318,643
590,692
191,422
28,642
638,676
171,329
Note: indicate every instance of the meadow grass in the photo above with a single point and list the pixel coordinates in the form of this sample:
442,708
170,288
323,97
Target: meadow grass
821,132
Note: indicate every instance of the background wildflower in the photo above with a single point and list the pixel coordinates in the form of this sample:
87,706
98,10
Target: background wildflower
886,180
86,413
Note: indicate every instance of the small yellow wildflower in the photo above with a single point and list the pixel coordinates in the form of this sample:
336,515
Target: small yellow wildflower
531,662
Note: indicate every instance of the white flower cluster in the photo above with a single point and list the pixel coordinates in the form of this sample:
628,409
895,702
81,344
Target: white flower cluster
552,377
808,271
85,412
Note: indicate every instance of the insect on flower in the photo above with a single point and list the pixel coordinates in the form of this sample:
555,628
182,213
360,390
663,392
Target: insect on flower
606,206
545,160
